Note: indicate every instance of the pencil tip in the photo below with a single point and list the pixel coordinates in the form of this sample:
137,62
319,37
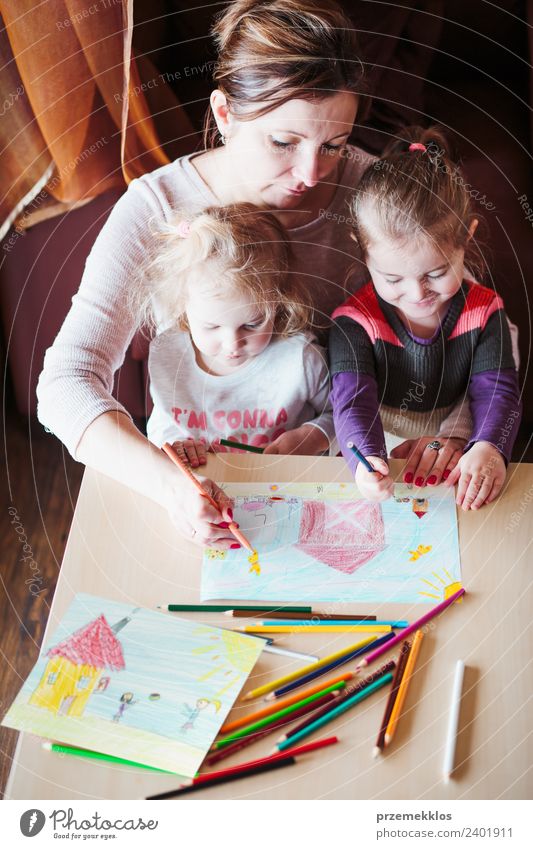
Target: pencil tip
376,752
47,745
446,777
270,697
228,613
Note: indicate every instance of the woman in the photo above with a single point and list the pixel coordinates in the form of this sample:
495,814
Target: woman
287,79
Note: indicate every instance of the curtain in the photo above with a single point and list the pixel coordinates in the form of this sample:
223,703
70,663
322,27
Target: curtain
78,108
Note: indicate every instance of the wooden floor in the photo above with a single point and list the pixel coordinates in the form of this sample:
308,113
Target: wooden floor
41,485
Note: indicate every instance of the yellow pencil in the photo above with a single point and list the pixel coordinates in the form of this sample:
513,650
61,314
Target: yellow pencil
315,629
279,682
402,690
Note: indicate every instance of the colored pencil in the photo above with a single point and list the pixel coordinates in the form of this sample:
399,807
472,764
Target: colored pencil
273,707
396,681
285,612
195,785
362,458
291,676
413,627
342,697
64,749
216,755
453,721
231,443
351,654
402,689
300,655
309,703
316,629
244,609
169,451
333,714
392,623
243,769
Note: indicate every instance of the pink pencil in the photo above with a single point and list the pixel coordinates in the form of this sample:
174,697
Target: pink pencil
414,626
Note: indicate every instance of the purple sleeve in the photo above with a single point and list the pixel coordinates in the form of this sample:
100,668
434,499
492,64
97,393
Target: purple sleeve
496,409
354,397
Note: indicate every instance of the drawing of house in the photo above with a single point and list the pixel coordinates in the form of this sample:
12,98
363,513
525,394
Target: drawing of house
76,665
343,535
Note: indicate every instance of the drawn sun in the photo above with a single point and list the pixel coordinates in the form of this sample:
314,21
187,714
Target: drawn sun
445,590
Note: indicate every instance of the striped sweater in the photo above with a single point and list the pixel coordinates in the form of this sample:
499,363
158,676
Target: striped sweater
384,378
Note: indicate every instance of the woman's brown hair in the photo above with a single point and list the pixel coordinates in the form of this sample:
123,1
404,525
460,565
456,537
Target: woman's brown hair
272,51
417,190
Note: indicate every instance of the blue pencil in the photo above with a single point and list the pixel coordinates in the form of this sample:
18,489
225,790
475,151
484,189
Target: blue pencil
299,682
394,623
360,457
344,706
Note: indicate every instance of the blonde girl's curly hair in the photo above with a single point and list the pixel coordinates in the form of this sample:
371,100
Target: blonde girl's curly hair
237,249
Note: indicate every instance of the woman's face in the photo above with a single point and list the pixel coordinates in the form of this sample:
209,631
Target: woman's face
276,160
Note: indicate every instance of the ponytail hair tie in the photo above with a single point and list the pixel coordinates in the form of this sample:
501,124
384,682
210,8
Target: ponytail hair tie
183,229
417,146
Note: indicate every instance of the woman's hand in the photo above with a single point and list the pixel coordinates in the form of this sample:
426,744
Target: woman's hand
378,485
191,451
306,439
481,474
196,519
426,465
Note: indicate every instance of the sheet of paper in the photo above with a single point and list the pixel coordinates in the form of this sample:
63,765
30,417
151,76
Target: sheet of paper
134,683
324,542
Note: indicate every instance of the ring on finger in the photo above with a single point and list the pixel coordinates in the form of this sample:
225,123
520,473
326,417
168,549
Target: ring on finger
435,445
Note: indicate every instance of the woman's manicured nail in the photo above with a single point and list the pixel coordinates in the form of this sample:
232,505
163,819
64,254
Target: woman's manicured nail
223,525
235,545
419,482
432,479
408,477
445,474
229,511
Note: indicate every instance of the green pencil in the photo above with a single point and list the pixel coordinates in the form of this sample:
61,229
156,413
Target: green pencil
260,723
220,608
62,749
230,443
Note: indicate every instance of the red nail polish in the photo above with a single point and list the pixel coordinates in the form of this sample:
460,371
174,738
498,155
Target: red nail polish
432,479
408,477
229,511
445,474
419,482
223,525
235,545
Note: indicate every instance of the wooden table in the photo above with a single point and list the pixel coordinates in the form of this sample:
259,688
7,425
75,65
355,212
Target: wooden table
123,546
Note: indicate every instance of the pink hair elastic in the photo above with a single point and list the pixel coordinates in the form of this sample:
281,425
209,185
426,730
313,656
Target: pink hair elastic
184,229
417,146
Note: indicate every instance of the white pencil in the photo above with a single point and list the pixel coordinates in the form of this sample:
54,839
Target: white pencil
453,722
290,653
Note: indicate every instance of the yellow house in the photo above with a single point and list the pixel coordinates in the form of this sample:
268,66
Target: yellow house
75,666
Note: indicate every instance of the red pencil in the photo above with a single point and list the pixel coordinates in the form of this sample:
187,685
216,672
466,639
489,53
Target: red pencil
169,451
396,681
414,626
290,753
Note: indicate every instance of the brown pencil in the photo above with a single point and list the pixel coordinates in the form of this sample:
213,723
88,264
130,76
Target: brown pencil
347,693
396,681
308,617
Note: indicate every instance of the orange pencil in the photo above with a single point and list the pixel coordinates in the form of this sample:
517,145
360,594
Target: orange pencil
402,689
169,451
283,703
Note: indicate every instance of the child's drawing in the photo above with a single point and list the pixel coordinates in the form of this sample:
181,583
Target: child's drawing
323,542
125,688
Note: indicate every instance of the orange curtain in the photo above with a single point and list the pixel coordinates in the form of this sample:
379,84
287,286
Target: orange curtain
74,118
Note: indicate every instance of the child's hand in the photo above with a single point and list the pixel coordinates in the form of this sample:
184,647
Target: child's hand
378,485
425,465
306,439
191,451
481,474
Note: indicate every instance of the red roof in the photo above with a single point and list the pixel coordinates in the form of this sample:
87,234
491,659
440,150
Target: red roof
95,644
